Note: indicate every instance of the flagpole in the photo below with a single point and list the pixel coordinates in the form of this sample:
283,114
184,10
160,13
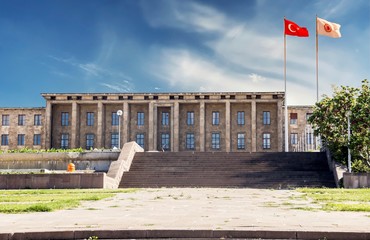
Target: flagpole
317,64
285,100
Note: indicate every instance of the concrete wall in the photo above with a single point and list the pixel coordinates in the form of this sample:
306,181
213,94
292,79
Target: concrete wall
47,181
98,161
356,180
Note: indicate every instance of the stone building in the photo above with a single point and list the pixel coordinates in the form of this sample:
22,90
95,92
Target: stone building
240,121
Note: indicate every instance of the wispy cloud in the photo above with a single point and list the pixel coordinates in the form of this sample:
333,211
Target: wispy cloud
125,86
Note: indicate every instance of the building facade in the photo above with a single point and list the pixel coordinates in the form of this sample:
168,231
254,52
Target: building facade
227,122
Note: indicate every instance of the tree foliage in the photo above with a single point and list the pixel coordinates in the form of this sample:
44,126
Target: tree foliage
330,122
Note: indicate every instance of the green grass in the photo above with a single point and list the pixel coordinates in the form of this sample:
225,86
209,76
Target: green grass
23,201
357,200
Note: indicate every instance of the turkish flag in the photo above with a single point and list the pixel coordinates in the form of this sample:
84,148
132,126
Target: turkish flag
292,29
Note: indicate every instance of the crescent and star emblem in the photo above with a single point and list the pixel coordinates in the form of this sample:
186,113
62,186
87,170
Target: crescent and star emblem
327,27
290,28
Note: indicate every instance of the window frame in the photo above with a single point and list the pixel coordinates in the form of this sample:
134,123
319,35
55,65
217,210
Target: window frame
190,141
21,119
165,119
294,138
240,141
4,139
115,119
90,119
37,120
64,141
215,118
114,140
190,118
5,120
36,139
21,139
266,141
65,119
266,119
140,118
165,141
240,116
216,140
140,139
90,141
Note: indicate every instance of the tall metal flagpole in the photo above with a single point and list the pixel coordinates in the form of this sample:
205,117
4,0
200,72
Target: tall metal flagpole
285,100
317,64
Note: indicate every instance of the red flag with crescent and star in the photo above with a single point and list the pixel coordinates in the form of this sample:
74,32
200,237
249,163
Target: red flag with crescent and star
293,29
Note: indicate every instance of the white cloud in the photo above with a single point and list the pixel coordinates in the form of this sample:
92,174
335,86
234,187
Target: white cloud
124,86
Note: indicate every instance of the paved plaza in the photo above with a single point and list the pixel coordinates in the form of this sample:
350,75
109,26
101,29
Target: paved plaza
192,209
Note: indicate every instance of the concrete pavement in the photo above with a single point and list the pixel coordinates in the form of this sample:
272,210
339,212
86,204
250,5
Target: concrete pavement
191,212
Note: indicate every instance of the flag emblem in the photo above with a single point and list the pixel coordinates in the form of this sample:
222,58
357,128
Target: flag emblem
327,28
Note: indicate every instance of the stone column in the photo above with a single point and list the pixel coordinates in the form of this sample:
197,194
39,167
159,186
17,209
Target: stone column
254,127
151,137
175,120
47,142
202,124
100,136
228,127
125,123
74,127
280,129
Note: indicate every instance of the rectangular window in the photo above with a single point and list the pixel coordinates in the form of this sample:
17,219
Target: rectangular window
64,141
190,141
90,119
114,140
37,120
5,120
89,141
165,118
140,119
241,141
266,118
65,119
115,119
165,141
293,118
140,139
190,118
241,118
20,139
4,140
215,140
215,118
37,139
308,115
21,119
294,138
266,141
309,138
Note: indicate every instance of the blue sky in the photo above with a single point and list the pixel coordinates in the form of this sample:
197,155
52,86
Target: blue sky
176,46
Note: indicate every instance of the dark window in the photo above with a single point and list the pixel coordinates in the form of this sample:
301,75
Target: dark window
79,97
293,118
190,118
258,96
37,139
65,119
140,118
172,97
190,141
181,97
114,140
21,119
95,97
215,118
140,139
240,118
120,97
5,120
249,96
64,142
232,96
309,138
294,138
69,97
165,118
215,140
115,119
197,97
241,141
223,97
155,97
266,118
274,96
146,97
206,97
90,119
308,115
4,140
89,141
129,97
104,97
266,141
37,120
20,139
52,97
165,141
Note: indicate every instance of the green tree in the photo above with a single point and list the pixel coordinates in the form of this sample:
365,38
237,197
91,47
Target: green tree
330,122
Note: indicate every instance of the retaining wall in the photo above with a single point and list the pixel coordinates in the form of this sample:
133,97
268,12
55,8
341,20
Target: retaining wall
356,180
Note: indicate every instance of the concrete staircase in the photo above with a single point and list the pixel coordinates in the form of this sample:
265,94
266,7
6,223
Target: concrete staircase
221,169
